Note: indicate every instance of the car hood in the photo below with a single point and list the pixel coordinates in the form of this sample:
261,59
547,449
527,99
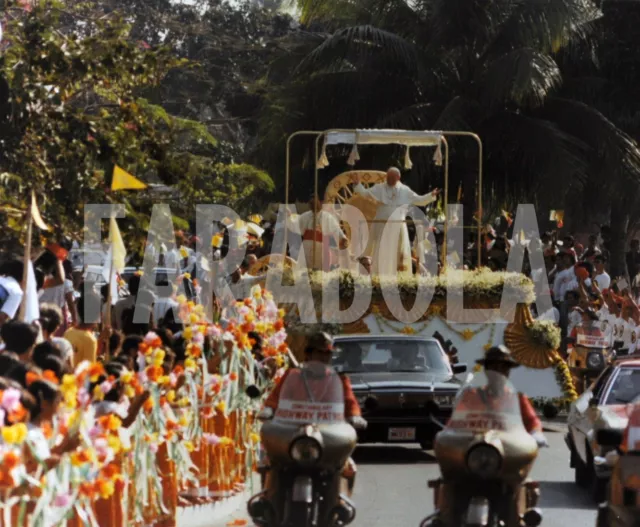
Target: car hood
614,416
384,381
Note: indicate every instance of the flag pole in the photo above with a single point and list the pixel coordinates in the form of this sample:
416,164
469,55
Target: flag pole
26,261
106,323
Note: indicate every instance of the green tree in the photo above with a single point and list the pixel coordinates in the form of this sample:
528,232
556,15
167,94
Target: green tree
77,97
492,67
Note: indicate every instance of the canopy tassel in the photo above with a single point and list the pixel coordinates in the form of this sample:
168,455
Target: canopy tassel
437,157
323,160
354,156
408,165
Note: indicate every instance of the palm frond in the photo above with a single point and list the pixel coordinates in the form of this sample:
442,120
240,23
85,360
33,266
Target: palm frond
617,152
546,25
523,76
421,116
361,45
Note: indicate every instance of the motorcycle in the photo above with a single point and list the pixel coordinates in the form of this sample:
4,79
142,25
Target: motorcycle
622,507
591,354
307,443
485,455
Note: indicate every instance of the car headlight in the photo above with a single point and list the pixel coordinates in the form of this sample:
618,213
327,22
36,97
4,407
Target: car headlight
306,450
595,360
484,461
444,400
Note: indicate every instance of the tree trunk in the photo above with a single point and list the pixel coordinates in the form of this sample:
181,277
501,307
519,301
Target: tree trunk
619,226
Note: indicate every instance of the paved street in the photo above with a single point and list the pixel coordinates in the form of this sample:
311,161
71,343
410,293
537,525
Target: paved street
391,488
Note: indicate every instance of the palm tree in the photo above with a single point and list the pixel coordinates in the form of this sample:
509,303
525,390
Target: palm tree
490,66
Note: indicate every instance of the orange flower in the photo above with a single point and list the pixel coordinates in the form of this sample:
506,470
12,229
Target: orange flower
10,461
47,430
178,370
18,415
278,325
80,458
172,425
87,489
110,422
6,479
119,484
95,371
154,373
32,377
233,376
148,405
111,471
50,376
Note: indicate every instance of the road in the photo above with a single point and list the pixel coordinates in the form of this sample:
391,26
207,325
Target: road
391,487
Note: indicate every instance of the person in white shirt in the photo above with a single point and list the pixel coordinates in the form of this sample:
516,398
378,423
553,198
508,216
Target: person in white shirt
164,302
602,278
10,289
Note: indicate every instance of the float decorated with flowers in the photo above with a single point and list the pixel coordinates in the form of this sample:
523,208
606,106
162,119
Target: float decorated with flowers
534,344
150,445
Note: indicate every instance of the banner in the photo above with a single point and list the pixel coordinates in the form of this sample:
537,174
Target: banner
594,340
303,412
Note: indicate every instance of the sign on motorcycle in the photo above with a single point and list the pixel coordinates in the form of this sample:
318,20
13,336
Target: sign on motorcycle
309,412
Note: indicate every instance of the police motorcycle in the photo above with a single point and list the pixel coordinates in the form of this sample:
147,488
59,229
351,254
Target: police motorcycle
622,507
307,442
592,351
485,455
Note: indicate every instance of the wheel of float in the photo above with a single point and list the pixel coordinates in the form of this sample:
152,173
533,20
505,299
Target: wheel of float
268,262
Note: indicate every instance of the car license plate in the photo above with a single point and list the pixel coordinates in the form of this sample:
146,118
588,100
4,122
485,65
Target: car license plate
402,434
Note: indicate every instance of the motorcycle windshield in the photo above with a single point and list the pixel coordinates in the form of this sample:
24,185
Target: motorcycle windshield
488,402
311,394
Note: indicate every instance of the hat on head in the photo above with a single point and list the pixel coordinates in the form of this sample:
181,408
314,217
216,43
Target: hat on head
499,354
321,342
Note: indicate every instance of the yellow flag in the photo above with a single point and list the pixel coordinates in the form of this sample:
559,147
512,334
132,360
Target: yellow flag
35,214
216,241
118,251
122,180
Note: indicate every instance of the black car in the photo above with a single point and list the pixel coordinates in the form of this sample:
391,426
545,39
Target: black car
405,385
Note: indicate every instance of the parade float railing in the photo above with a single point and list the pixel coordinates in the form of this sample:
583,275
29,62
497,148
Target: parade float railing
194,441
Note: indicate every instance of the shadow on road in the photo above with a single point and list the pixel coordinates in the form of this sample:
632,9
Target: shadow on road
564,495
391,455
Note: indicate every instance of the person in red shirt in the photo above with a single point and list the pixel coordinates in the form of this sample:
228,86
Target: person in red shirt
320,349
499,359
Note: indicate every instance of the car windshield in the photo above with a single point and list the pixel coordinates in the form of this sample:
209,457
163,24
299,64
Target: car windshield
392,355
626,386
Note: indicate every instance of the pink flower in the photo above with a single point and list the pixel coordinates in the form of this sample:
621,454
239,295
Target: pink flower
211,439
95,431
150,337
11,399
102,447
198,339
215,331
106,387
153,447
62,501
83,397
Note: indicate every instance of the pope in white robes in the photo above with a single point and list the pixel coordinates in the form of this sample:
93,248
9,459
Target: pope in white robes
390,222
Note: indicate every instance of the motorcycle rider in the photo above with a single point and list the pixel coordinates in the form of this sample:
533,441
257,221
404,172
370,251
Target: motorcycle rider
498,359
320,349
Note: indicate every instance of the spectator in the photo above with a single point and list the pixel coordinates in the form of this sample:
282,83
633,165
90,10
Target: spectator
62,295
10,289
165,302
365,261
20,338
633,259
50,321
592,249
126,302
601,277
82,337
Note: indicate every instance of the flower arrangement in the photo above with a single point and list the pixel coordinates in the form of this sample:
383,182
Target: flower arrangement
122,418
545,333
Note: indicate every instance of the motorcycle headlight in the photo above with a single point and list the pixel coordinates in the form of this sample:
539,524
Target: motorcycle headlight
444,400
484,461
595,360
305,450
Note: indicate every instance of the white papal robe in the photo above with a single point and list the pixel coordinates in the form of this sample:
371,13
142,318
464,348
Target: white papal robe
387,232
327,226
